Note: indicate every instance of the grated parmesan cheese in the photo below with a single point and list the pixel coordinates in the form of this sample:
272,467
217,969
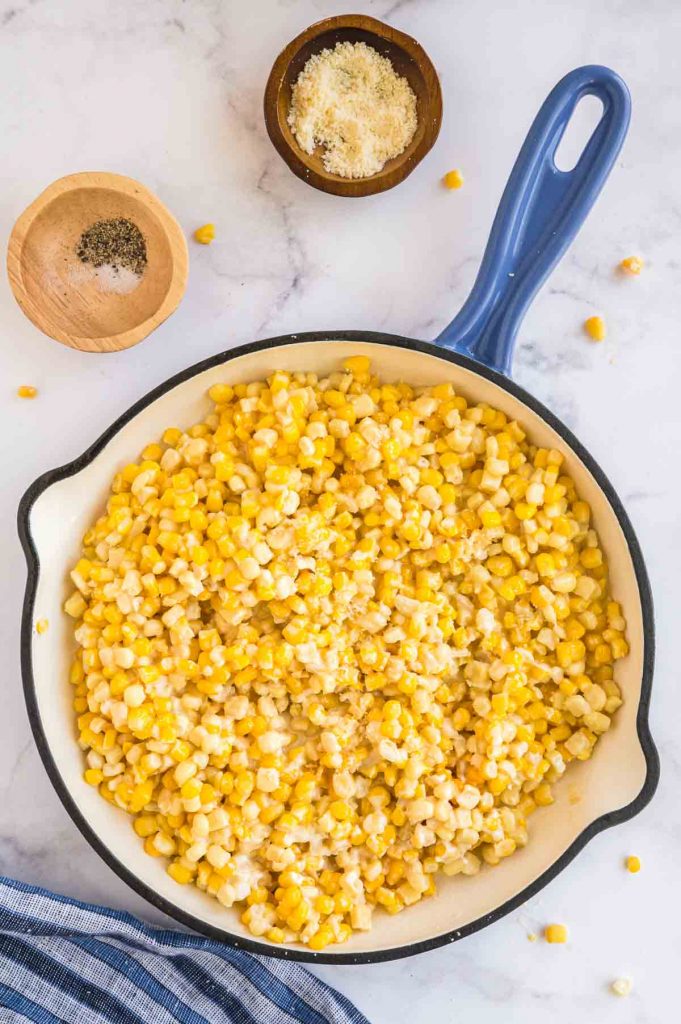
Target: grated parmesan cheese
351,101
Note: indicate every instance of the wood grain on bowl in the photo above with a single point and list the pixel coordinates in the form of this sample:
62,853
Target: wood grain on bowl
68,299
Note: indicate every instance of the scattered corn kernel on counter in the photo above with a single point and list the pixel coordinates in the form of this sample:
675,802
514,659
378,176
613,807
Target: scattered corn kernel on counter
337,638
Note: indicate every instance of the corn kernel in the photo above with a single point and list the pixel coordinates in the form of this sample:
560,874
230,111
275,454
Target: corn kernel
595,328
205,234
179,873
453,179
631,265
556,933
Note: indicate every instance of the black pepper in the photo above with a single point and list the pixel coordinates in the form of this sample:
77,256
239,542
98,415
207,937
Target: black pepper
118,243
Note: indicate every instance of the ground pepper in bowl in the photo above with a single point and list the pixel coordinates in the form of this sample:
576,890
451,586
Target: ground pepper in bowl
117,243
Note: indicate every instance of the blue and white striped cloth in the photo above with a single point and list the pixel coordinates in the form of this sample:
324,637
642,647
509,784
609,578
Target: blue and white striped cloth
61,960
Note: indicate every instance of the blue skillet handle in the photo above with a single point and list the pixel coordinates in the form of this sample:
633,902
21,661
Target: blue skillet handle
540,213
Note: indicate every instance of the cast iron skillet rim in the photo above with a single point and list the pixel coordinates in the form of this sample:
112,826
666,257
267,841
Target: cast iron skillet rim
600,824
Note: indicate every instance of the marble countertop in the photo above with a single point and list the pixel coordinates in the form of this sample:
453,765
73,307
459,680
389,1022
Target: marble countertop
170,92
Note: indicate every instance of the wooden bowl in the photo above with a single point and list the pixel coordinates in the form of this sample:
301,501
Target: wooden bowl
66,298
408,58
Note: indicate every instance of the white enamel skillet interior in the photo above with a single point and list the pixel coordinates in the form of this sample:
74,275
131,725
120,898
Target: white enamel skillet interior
58,508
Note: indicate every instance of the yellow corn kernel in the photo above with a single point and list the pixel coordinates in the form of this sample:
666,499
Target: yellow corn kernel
591,558
358,366
150,848
453,179
179,873
257,896
497,785
180,751
152,453
142,648
500,565
490,518
619,647
145,825
140,796
341,810
631,265
602,654
525,511
543,795
595,328
546,564
221,393
321,938
324,904
556,933
354,445
633,865
342,903
500,703
75,605
191,789
27,391
140,719
205,234
148,673
41,626
570,651
297,918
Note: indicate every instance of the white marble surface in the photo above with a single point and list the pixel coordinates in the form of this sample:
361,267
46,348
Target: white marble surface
170,92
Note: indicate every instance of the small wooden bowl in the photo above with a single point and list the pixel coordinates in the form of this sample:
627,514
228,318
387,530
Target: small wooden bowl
408,58
63,296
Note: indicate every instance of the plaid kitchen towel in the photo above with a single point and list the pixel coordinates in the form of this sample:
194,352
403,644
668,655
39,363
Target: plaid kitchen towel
62,960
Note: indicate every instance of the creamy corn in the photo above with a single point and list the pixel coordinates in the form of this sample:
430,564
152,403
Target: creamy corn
336,639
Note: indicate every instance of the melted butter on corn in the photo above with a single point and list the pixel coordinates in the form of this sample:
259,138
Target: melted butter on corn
335,639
